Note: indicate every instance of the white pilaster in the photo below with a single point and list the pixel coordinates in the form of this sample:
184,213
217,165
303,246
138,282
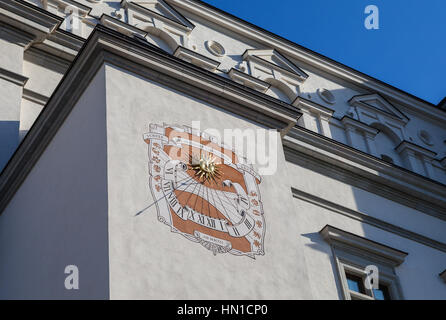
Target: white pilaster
418,159
315,116
360,134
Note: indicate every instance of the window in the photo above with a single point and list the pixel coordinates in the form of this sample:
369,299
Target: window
382,293
355,279
355,283
356,258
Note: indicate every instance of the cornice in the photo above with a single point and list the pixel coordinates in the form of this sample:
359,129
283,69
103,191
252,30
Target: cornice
55,63
305,104
295,51
370,220
338,237
28,18
366,171
106,46
62,44
34,97
196,58
409,146
353,123
248,80
121,26
14,35
13,77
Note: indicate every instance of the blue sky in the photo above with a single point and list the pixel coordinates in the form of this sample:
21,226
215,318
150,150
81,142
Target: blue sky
408,51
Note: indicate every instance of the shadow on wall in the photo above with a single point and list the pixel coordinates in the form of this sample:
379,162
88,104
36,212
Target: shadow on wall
317,243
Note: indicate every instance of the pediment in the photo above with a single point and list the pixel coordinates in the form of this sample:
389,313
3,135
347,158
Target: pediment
160,9
272,59
377,103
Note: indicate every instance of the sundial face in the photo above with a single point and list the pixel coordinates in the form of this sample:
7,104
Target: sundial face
204,191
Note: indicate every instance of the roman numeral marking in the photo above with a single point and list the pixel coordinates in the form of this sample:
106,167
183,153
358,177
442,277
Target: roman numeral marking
248,224
167,186
211,223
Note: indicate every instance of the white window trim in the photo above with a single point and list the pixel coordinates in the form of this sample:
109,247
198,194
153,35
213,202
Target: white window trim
352,254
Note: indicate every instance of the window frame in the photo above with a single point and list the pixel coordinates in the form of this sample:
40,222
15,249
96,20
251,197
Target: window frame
352,254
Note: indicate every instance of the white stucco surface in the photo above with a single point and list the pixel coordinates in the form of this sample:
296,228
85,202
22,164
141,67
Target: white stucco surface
147,260
59,215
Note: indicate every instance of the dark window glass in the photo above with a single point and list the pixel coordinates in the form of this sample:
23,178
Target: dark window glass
355,283
382,293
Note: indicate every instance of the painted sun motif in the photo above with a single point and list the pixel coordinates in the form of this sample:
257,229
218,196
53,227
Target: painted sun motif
206,168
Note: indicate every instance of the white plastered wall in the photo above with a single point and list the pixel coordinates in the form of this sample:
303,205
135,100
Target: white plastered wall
58,216
418,274
147,260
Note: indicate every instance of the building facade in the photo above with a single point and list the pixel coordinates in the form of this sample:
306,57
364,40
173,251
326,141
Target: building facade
164,149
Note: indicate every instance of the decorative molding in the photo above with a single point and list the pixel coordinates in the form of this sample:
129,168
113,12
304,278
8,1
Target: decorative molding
366,137
14,35
407,146
310,106
173,29
176,18
106,46
249,81
425,137
365,171
196,58
326,95
29,18
13,77
215,48
412,154
53,62
322,63
121,26
267,56
62,44
364,218
310,110
270,66
344,239
34,97
352,124
62,5
387,109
